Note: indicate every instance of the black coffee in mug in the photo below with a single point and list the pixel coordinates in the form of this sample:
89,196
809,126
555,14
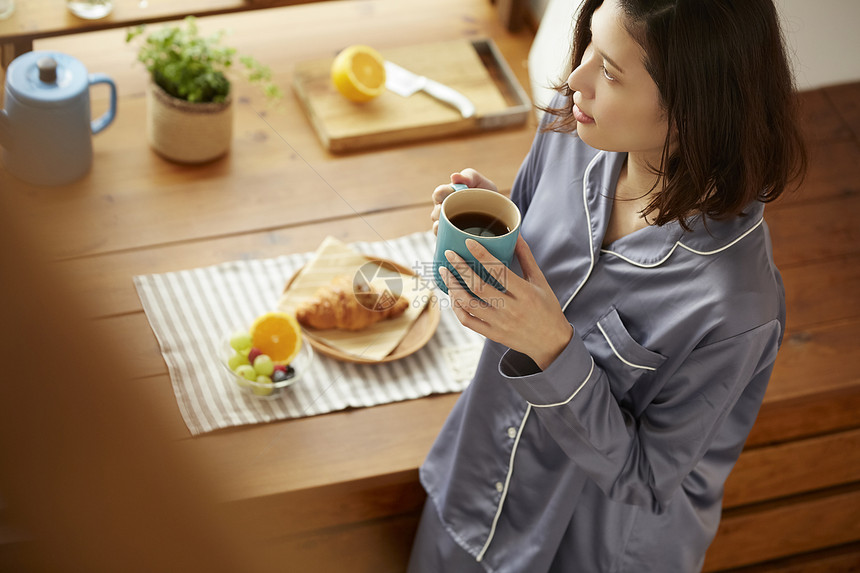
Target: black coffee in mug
479,224
483,215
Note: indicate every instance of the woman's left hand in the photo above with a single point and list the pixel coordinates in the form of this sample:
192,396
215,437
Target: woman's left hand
526,317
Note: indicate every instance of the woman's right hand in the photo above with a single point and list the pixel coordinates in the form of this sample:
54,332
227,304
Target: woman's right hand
468,177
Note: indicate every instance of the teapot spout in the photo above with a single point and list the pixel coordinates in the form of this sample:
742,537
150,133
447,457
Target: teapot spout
5,129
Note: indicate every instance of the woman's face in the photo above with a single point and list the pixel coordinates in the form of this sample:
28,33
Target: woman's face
617,104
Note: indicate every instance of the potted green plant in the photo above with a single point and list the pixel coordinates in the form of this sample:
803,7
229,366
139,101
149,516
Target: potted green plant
189,100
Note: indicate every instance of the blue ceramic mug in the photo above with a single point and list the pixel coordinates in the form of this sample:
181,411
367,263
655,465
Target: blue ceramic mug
486,216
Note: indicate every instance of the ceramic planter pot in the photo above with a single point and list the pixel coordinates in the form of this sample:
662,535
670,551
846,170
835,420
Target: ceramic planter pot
188,132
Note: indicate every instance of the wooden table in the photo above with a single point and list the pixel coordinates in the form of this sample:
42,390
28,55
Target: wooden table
342,488
37,19
277,192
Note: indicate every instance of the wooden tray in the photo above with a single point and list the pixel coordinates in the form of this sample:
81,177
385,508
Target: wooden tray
418,335
473,67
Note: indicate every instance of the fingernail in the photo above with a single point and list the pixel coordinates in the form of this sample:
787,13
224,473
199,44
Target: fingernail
451,256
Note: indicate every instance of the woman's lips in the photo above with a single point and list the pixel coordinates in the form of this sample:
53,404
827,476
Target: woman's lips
580,116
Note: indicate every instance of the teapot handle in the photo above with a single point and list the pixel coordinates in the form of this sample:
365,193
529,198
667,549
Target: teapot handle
102,122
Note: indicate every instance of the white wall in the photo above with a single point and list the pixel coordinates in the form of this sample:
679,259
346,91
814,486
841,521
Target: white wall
550,52
823,37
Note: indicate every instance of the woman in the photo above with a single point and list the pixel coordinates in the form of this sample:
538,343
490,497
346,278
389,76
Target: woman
627,360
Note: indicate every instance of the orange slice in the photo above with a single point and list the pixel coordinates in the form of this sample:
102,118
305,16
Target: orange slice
358,72
277,334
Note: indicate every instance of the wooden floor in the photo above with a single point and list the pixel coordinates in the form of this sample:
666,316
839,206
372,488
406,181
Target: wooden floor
798,481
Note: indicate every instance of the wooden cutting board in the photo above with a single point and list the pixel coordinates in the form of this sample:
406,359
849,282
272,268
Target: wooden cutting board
475,68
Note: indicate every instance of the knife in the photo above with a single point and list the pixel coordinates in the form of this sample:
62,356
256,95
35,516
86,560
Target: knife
405,83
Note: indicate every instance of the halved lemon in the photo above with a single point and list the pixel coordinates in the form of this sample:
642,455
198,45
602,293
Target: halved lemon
358,72
277,334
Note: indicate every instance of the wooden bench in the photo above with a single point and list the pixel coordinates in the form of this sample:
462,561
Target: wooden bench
795,489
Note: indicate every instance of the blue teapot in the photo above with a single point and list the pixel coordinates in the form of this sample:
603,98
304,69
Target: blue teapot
46,128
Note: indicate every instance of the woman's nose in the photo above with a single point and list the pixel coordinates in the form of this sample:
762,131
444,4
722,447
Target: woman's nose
576,82
570,81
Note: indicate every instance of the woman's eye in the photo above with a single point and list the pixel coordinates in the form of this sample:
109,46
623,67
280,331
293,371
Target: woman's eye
606,74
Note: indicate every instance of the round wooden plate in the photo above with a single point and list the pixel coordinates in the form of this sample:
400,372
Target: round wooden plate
419,333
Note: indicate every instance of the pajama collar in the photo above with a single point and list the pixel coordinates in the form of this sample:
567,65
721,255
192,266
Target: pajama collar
653,245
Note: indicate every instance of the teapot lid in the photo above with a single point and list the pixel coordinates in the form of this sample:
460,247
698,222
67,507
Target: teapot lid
46,79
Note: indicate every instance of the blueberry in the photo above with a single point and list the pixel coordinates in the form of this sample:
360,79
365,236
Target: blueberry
280,375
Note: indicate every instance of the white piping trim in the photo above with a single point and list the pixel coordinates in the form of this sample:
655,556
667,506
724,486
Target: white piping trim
679,243
621,358
588,225
751,229
505,490
575,392
530,405
587,378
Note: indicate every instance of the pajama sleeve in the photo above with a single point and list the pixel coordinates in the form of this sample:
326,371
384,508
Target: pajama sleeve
642,459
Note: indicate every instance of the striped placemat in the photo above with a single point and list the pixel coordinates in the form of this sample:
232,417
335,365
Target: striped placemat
192,311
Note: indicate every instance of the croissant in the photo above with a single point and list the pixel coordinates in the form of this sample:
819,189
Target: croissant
348,305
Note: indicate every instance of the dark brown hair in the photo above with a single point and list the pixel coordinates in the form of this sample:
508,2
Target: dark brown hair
727,89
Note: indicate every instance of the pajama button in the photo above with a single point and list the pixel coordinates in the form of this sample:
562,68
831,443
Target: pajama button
499,486
512,432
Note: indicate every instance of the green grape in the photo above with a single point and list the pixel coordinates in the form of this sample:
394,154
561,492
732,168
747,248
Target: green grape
246,372
264,386
240,341
263,365
237,360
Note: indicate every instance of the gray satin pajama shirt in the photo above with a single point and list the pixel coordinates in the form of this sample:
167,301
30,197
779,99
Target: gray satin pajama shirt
614,458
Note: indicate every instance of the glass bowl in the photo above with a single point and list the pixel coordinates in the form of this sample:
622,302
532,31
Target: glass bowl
300,365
